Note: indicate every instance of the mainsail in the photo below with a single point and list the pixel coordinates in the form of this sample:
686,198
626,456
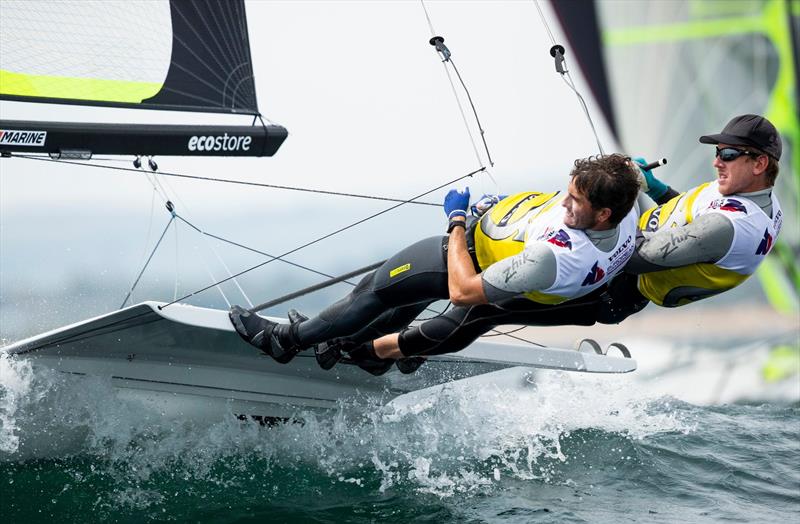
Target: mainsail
192,55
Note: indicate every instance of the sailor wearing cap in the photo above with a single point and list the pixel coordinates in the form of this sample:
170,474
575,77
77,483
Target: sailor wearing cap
712,237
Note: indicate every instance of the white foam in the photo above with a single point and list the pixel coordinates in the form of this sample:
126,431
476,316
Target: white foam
461,441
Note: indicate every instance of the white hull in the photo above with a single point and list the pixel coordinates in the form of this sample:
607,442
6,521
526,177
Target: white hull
189,362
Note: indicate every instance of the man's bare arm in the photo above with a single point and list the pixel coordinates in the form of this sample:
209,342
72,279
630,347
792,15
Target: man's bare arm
464,283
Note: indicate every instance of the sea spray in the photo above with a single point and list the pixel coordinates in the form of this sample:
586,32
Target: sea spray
16,379
455,443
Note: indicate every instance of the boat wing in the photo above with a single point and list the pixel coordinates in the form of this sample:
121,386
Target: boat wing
189,361
202,336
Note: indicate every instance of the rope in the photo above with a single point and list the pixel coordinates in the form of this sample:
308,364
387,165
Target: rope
474,111
544,21
438,43
303,246
177,263
226,181
564,72
160,189
146,263
332,280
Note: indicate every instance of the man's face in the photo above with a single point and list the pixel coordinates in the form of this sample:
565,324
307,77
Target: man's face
580,214
737,176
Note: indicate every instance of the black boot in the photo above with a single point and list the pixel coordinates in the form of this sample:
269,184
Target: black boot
295,316
283,339
409,365
363,355
254,329
273,339
328,354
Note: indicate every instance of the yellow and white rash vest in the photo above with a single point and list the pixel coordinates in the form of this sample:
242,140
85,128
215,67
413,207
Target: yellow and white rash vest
511,239
753,236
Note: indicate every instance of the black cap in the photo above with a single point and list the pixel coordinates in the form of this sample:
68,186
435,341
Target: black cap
749,130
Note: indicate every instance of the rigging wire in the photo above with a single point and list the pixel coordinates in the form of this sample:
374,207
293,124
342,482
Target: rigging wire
531,342
213,250
474,111
149,226
557,52
328,235
136,282
210,235
177,263
444,52
227,181
159,188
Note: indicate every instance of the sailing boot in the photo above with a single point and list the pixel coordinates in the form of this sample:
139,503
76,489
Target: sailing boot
409,365
273,339
254,329
283,339
295,316
328,354
363,355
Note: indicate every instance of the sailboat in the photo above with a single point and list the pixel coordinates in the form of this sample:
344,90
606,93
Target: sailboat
182,359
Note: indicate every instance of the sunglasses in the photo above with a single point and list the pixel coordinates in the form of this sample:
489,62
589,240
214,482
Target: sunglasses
729,154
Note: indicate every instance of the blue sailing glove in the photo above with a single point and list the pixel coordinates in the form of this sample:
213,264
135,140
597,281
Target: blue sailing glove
653,187
456,203
486,202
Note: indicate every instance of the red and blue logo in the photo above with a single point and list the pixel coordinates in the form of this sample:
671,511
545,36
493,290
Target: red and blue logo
561,239
595,275
765,245
729,204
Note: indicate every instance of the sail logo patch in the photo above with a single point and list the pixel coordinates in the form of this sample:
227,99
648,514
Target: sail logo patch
220,143
14,137
595,275
728,204
561,239
765,245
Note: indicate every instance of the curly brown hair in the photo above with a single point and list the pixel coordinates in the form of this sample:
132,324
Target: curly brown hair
608,181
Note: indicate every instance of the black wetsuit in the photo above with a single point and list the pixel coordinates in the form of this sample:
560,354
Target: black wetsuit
382,304
460,326
386,300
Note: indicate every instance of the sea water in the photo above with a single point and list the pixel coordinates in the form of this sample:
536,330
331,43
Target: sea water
573,448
